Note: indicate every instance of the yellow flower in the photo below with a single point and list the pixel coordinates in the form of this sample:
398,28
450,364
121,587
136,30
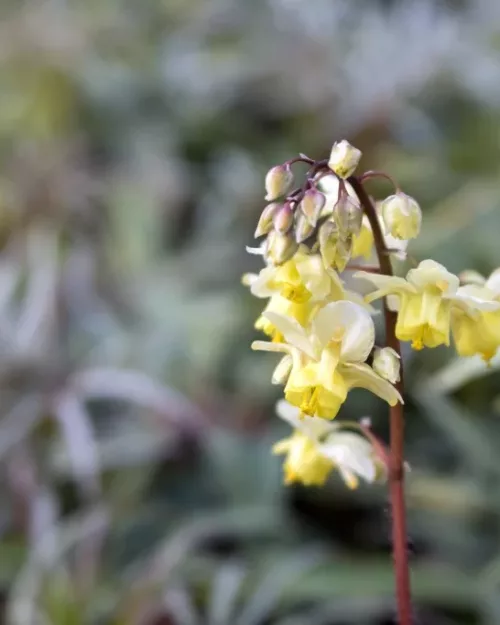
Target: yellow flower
296,289
330,360
475,321
304,462
316,447
301,279
425,300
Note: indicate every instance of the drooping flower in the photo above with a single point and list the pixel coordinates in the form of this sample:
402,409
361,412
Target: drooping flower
475,321
317,447
295,289
401,215
424,302
329,358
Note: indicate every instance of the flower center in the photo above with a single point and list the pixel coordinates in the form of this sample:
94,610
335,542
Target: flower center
295,293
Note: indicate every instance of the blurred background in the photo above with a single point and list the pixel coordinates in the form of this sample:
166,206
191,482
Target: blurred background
137,482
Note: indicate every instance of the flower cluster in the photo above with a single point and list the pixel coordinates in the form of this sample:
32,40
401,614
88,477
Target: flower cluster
325,332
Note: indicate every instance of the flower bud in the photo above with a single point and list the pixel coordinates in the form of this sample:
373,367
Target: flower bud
386,364
282,371
279,180
344,158
401,215
344,252
335,248
283,218
312,204
303,228
265,223
328,235
348,214
279,248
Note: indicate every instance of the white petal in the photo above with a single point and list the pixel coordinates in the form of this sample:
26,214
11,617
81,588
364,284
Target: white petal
282,370
493,282
358,375
358,330
256,251
429,272
268,346
471,297
313,427
293,332
259,286
350,452
391,284
357,298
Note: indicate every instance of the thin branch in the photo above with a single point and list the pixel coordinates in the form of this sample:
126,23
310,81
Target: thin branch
370,175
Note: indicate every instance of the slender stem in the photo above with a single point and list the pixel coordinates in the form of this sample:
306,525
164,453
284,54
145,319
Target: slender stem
369,175
396,472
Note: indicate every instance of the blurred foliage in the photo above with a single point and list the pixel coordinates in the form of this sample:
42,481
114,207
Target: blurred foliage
135,429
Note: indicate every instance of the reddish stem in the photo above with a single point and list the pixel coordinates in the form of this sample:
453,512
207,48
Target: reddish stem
369,175
396,472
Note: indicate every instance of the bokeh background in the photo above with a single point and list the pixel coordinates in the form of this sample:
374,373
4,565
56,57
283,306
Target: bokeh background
137,485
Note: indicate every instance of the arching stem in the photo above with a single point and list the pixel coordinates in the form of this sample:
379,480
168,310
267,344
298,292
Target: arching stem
396,472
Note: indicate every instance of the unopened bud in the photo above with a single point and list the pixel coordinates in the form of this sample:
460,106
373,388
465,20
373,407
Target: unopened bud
328,236
312,204
279,180
303,228
283,218
386,363
401,215
282,371
344,252
265,223
344,158
279,248
348,214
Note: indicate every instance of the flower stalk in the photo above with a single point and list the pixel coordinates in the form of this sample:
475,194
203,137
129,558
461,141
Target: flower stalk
396,469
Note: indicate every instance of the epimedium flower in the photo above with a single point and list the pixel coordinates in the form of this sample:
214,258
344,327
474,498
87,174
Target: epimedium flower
317,447
329,358
424,302
296,289
475,321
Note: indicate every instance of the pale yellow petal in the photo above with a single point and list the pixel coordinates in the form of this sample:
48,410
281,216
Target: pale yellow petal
430,273
349,324
313,427
293,332
358,375
471,297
